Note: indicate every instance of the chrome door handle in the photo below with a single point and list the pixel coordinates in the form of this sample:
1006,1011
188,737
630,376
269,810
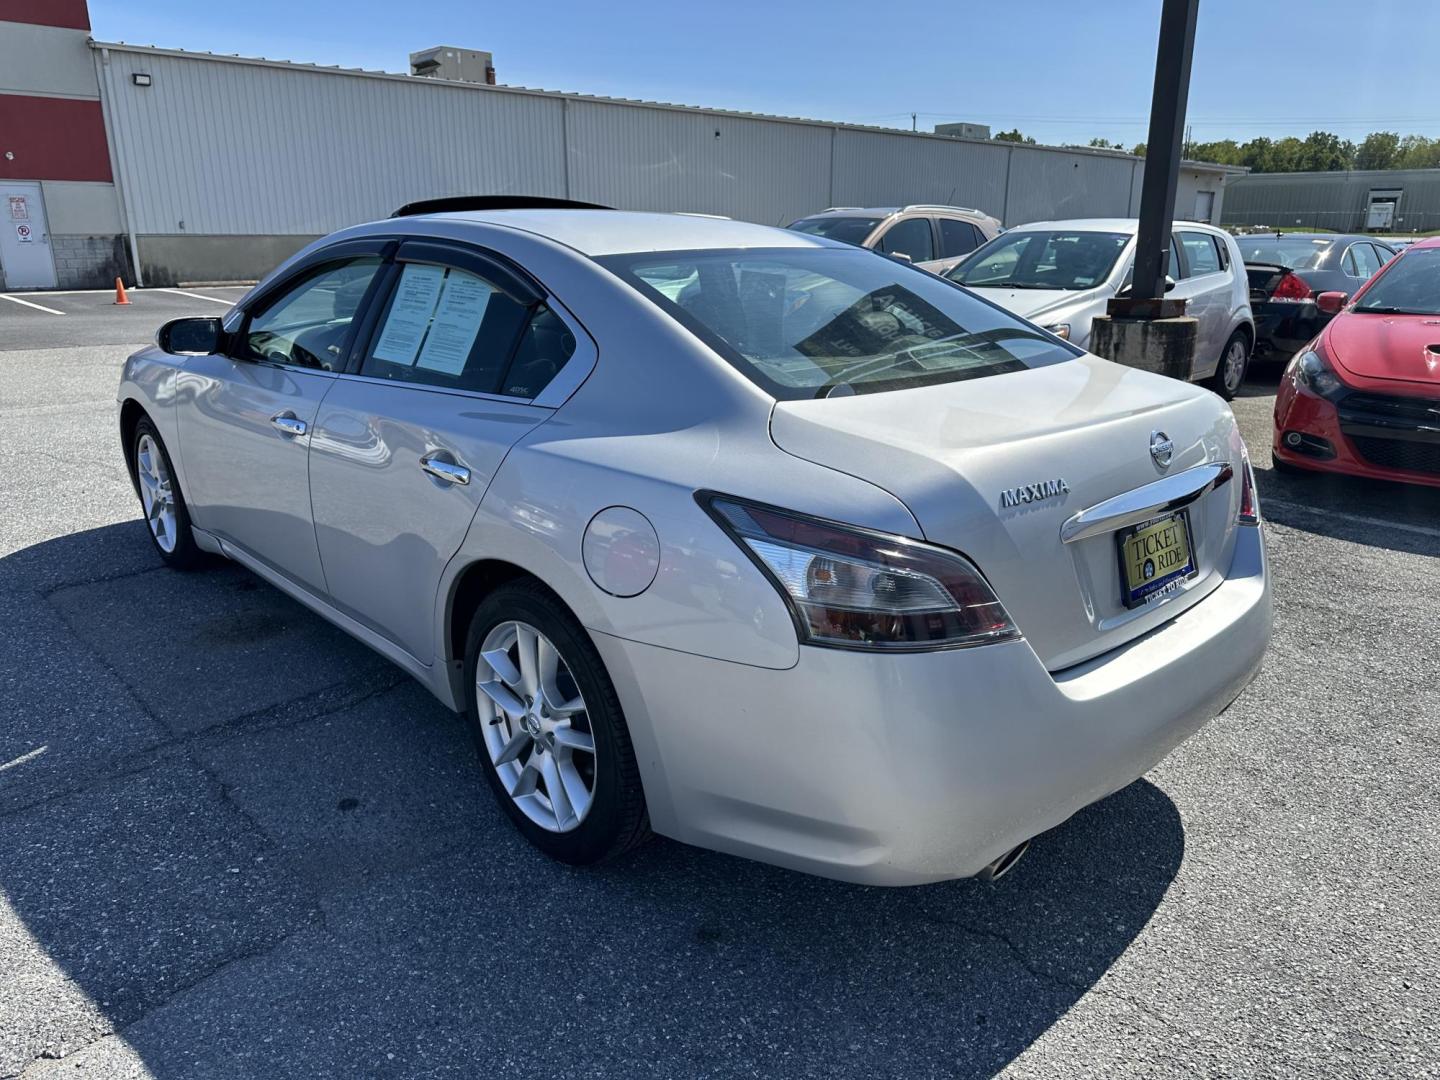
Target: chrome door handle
449,471
289,424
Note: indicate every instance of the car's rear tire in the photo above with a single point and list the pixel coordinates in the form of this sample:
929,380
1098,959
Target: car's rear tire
1230,372
549,729
162,503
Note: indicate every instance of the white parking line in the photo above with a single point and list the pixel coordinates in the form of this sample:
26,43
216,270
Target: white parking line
1358,519
194,296
23,758
27,303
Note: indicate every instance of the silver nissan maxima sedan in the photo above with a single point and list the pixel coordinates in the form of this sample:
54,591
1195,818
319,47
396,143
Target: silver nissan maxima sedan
753,539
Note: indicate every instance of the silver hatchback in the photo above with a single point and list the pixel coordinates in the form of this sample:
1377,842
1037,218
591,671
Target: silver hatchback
934,238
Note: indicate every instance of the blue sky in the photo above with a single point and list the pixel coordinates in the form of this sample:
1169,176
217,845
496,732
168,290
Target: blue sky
1061,71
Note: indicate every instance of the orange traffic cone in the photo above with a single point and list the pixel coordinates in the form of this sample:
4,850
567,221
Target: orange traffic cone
120,297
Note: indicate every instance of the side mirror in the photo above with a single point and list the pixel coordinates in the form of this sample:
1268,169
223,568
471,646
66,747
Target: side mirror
1331,302
191,336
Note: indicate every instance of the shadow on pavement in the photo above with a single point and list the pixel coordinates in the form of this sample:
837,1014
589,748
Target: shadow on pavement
251,848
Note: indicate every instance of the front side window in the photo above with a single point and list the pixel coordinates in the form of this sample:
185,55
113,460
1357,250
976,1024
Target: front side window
958,237
1200,254
847,230
310,324
447,327
910,237
1409,286
824,322
1043,259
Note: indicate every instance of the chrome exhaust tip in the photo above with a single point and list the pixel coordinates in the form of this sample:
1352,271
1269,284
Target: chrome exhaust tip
1005,863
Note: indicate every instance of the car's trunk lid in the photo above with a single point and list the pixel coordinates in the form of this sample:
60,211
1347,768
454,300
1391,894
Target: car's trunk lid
950,452
1263,279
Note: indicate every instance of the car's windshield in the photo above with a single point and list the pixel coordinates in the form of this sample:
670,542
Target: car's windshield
1294,252
848,230
1409,286
818,322
1043,259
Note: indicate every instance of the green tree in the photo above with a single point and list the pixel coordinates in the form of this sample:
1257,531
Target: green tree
1105,144
1378,150
1323,152
1138,149
1223,152
1258,155
1013,136
1418,152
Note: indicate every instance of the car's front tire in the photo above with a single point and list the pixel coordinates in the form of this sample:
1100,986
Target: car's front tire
549,729
161,501
1230,373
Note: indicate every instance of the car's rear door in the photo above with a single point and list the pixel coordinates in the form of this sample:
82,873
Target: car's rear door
1206,287
451,370
247,416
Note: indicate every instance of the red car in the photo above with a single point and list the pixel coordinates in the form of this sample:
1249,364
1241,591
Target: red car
1363,398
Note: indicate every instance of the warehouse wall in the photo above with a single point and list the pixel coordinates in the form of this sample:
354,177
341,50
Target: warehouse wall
202,160
1334,200
52,132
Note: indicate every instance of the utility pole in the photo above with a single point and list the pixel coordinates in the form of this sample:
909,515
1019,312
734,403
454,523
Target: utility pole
1143,327
1162,147
914,122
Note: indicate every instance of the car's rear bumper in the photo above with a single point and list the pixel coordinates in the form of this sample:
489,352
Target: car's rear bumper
909,768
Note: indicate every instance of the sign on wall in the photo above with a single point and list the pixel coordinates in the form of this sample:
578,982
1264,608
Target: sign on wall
23,233
19,211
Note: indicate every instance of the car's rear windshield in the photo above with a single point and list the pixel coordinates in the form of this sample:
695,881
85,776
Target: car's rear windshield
1063,259
1410,285
1294,252
848,230
817,322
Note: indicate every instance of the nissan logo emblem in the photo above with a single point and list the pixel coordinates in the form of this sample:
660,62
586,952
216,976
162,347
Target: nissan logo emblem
1161,448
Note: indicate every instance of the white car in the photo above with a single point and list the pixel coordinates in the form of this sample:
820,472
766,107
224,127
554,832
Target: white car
766,543
1061,274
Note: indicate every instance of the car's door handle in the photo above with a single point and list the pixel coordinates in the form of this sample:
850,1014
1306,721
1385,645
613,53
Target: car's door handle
449,471
289,424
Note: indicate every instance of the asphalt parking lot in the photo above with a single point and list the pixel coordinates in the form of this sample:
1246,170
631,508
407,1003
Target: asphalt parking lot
235,843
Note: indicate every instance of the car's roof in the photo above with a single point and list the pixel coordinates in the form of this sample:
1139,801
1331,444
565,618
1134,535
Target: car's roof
1128,226
1423,242
886,211
1312,236
615,232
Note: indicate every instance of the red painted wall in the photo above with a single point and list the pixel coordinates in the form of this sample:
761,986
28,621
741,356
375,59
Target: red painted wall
68,13
52,139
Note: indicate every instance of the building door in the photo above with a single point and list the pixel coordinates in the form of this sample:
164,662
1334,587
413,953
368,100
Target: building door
25,254
1205,206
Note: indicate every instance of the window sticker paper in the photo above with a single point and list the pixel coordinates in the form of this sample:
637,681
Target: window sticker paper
457,321
415,299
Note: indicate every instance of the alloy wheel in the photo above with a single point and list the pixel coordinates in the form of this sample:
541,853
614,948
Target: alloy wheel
536,729
157,493
1235,364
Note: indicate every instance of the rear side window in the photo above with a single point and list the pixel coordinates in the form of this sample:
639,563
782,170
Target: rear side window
1201,255
447,327
847,230
958,238
1361,261
909,237
309,324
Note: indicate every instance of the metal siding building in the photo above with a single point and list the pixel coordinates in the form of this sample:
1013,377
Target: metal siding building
226,165
1340,201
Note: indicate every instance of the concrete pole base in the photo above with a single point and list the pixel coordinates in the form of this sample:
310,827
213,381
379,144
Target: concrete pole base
1165,346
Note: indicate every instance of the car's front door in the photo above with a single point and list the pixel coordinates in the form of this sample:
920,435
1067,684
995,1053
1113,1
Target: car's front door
246,417
445,382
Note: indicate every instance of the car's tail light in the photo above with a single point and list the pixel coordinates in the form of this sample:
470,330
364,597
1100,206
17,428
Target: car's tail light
1292,287
853,588
1249,504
